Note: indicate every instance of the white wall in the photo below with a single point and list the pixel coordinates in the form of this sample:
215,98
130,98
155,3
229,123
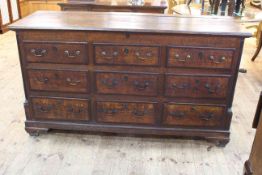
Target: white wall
4,11
14,9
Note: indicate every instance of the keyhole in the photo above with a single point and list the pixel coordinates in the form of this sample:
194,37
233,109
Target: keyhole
200,54
126,51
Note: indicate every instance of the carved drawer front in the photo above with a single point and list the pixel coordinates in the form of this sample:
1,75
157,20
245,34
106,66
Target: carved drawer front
193,115
60,108
196,86
143,84
63,81
54,52
126,112
126,55
200,57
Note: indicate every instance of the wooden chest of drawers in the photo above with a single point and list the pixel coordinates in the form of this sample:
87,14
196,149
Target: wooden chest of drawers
147,79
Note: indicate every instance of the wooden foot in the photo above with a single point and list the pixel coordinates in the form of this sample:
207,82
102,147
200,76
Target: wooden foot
32,131
219,142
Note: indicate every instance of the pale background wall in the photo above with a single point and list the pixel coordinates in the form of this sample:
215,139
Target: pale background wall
4,11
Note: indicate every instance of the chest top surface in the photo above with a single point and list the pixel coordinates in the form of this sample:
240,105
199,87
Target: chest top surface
130,22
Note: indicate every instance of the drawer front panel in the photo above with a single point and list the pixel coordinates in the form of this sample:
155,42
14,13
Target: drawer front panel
60,108
126,55
63,81
126,112
196,86
200,57
142,84
193,115
53,52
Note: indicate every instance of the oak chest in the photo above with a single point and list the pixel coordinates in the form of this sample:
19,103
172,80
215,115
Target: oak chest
129,73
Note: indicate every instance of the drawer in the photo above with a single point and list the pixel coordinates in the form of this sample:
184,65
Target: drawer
126,112
143,84
200,57
126,54
55,52
193,115
194,86
60,108
60,81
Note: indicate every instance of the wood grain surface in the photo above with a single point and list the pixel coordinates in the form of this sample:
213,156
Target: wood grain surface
129,22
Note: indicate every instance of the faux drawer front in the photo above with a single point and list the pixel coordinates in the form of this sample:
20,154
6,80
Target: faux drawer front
126,112
142,84
200,57
193,115
54,52
63,81
60,108
126,54
196,86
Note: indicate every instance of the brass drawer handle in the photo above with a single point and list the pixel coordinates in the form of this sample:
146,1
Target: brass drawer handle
212,90
222,58
109,57
103,53
211,57
115,53
181,86
108,111
177,56
148,56
178,114
206,117
72,54
75,111
217,61
43,80
111,111
72,82
38,52
45,109
138,113
110,83
141,86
